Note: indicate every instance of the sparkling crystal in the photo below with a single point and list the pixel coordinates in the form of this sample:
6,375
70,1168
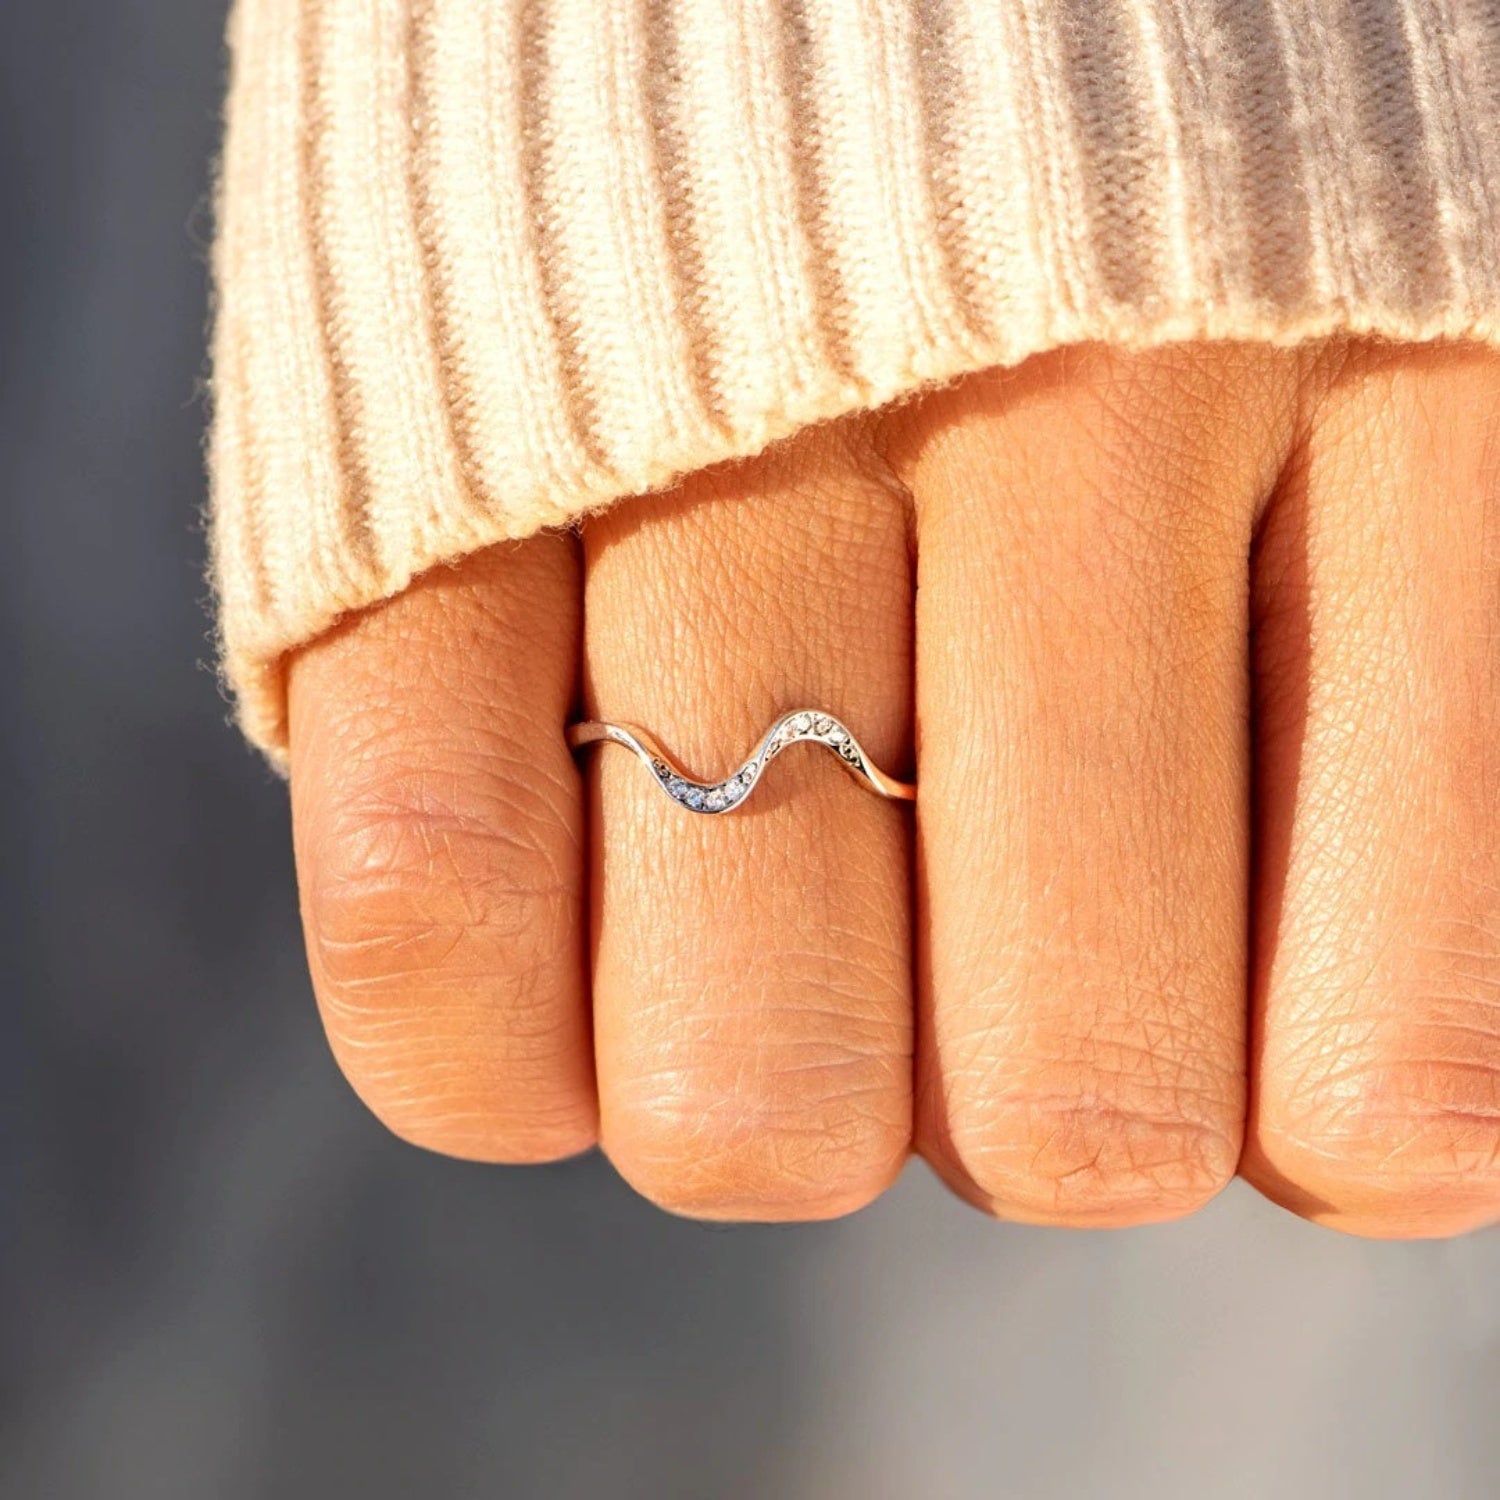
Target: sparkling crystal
714,800
801,724
824,724
838,735
694,797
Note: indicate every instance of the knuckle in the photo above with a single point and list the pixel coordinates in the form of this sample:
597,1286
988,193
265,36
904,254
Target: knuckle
1129,1121
459,1107
395,876
734,1152
1081,1160
444,1108
441,939
1395,1148
403,897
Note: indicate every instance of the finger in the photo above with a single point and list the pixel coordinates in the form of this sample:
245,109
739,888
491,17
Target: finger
438,830
1082,822
1377,966
752,971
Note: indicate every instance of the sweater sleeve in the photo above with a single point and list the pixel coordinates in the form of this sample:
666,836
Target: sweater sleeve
483,265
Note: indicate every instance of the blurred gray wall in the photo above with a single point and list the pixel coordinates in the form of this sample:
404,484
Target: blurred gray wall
219,1279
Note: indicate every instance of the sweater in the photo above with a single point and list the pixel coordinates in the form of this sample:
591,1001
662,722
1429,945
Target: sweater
484,265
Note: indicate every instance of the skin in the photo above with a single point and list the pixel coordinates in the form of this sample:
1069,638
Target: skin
1196,654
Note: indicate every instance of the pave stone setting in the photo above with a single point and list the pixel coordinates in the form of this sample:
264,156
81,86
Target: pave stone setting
711,798
803,726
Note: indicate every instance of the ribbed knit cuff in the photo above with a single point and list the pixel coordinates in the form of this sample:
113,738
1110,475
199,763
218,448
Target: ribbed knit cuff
485,264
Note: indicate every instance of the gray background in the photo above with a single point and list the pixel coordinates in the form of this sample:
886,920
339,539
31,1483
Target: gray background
218,1278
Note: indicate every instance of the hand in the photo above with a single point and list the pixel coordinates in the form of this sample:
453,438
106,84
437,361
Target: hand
1196,654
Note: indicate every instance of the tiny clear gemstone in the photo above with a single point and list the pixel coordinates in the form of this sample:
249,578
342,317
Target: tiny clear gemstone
849,753
694,797
714,799
837,735
824,725
801,724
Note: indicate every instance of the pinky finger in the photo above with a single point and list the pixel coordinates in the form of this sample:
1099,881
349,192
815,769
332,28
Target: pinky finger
439,835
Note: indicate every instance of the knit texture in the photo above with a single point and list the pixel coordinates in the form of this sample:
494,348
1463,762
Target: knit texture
485,264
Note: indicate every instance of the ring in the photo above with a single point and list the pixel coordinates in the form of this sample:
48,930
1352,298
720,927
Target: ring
714,797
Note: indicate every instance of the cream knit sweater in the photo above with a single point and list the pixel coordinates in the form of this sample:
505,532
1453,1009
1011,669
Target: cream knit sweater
484,264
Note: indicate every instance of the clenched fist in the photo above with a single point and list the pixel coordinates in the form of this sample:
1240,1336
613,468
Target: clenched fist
1195,658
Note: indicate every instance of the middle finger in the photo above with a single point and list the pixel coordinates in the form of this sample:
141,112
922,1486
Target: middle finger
1083,828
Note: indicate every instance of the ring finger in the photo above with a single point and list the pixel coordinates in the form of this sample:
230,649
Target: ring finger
752,991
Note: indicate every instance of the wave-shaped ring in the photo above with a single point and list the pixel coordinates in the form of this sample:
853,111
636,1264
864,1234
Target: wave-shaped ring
714,797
